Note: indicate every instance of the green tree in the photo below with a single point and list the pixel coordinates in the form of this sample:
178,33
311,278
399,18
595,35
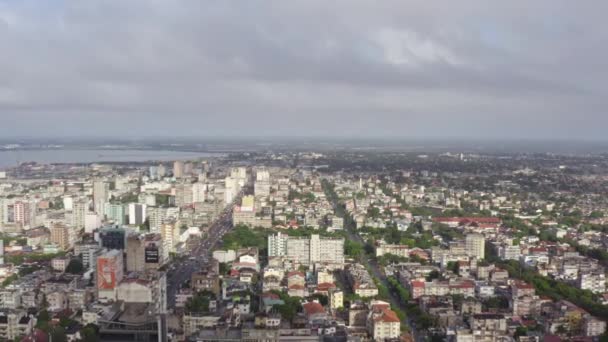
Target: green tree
90,333
75,267
323,300
58,334
433,275
453,266
199,303
291,307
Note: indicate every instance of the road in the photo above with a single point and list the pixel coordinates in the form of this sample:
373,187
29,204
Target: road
181,271
374,268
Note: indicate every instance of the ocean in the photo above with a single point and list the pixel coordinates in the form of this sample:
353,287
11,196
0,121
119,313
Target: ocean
15,157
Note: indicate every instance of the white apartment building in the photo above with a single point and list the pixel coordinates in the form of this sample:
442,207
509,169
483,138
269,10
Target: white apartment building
183,194
277,244
158,216
509,252
15,324
170,235
101,192
137,213
199,192
307,251
475,245
594,282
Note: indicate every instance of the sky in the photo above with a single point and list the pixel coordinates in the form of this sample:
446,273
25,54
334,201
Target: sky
308,68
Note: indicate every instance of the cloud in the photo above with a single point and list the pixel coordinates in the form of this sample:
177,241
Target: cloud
401,68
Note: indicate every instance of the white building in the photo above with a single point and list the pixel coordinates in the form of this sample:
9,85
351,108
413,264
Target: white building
92,221
307,251
159,215
475,245
137,213
594,282
509,252
277,244
101,191
199,192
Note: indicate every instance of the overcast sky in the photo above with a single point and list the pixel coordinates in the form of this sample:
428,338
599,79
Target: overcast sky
489,69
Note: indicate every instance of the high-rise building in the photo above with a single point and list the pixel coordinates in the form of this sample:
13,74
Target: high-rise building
1,252
79,212
178,169
261,187
232,189
199,192
101,191
158,215
135,253
112,237
60,235
154,253
22,213
145,252
183,194
88,253
137,213
92,221
326,250
306,250
188,168
475,245
153,172
68,201
162,171
115,212
4,210
170,231
240,174
277,244
109,274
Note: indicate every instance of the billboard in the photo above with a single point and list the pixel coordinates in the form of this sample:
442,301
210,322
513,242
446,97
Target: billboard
151,254
106,273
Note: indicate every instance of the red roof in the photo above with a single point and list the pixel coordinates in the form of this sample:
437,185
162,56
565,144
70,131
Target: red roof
271,295
325,286
294,273
417,283
421,254
464,285
537,249
523,285
36,336
486,220
312,308
388,316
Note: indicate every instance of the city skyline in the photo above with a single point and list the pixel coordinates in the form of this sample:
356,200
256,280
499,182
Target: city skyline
314,69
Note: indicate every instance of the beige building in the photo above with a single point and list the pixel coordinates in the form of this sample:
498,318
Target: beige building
399,250
145,252
135,253
60,235
14,324
144,288
170,232
336,299
382,322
